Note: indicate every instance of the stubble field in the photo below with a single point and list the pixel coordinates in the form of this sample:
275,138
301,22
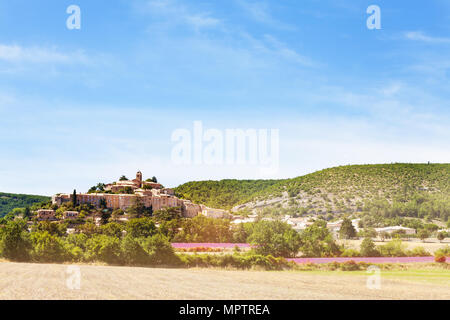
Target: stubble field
39,281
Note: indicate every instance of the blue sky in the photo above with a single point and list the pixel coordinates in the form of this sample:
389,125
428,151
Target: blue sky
82,106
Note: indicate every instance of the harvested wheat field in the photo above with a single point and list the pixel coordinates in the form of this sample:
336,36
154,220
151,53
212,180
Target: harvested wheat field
41,281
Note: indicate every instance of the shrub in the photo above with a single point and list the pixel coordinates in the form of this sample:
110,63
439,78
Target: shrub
132,252
275,238
103,248
418,252
440,258
47,247
15,241
159,250
350,253
444,251
350,266
393,248
368,248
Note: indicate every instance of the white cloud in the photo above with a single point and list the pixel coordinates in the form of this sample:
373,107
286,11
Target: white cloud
420,36
176,13
202,21
16,53
260,11
284,51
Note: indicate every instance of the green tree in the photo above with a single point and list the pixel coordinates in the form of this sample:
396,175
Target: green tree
132,252
159,249
368,248
347,230
74,198
275,238
167,214
123,178
143,227
384,235
317,241
57,229
203,229
27,213
103,248
14,241
47,247
137,209
441,236
423,234
169,228
112,229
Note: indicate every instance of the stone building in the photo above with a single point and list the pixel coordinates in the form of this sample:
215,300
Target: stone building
151,194
45,215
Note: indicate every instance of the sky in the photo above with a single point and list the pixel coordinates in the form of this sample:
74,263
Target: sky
82,106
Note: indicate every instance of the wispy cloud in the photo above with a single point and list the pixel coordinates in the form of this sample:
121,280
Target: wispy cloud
177,13
15,53
202,21
260,11
284,51
420,36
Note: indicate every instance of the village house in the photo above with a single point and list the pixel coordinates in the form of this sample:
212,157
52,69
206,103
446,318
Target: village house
71,215
151,194
392,229
214,213
46,215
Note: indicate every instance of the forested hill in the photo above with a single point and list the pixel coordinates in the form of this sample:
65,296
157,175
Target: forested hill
10,201
224,193
330,189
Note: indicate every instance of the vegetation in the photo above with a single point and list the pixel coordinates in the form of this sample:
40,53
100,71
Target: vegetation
275,238
9,201
223,194
347,230
386,191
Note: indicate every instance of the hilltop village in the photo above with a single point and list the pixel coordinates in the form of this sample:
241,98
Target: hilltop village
125,193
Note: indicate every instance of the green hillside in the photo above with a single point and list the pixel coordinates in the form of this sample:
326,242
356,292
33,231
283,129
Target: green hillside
224,193
339,189
9,201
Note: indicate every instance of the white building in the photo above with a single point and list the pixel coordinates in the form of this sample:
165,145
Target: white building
394,229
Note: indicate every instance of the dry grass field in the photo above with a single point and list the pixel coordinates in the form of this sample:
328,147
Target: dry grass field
39,281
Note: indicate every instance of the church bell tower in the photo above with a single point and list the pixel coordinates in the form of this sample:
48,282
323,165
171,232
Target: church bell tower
139,178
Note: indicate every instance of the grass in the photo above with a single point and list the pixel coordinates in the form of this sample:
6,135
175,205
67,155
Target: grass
418,273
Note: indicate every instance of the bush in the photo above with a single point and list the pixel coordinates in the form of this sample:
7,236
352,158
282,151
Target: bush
103,248
15,241
132,252
159,250
440,258
418,252
350,253
368,248
350,266
142,227
393,248
240,261
47,247
275,238
444,251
